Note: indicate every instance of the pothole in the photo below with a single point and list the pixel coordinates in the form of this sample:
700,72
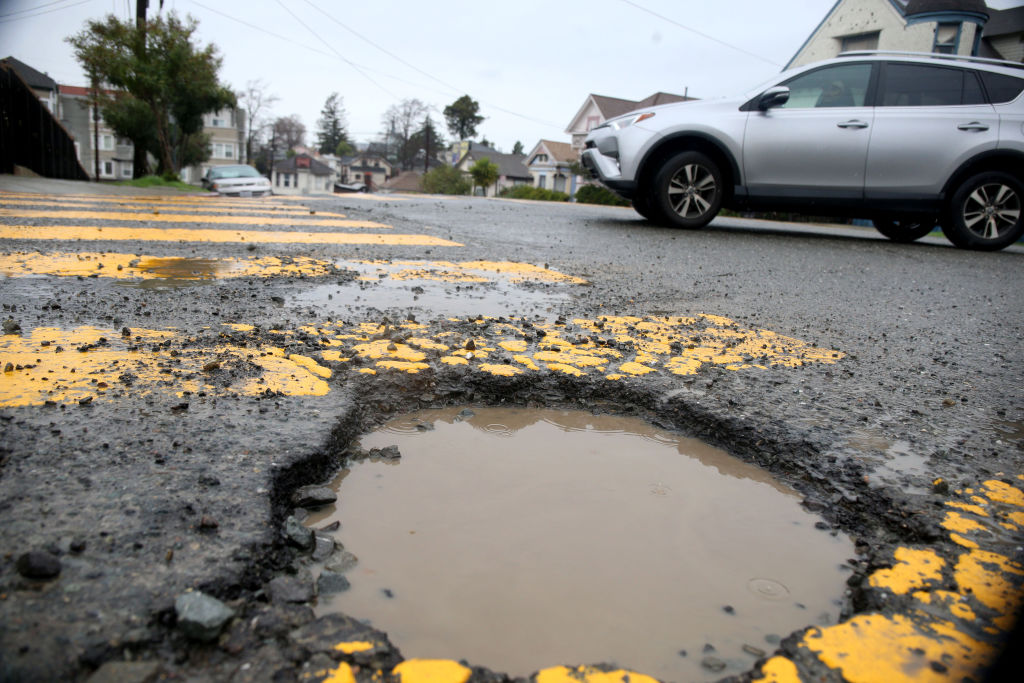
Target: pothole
520,539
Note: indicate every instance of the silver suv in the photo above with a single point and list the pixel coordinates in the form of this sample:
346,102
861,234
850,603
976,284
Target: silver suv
906,140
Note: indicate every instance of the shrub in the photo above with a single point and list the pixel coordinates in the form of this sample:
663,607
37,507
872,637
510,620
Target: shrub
535,193
444,180
595,194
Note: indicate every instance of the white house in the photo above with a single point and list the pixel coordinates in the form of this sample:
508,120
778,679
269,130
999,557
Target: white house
597,109
549,163
302,174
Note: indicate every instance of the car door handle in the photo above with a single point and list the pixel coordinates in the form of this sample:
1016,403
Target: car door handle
973,125
853,124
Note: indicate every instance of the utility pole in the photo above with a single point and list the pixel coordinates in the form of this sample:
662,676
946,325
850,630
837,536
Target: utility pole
139,161
426,155
96,128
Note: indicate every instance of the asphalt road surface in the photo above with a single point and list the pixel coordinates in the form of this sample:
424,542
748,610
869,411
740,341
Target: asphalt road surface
176,367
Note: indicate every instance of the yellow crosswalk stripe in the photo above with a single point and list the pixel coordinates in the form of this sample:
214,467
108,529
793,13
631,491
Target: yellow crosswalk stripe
189,218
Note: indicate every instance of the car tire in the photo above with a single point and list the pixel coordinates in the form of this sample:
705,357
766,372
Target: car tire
905,229
687,191
984,212
643,207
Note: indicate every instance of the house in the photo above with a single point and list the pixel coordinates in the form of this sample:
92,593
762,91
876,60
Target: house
958,27
512,169
549,164
93,137
226,129
369,169
302,174
42,85
597,109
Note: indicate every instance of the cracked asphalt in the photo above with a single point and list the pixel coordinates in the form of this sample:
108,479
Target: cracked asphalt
175,368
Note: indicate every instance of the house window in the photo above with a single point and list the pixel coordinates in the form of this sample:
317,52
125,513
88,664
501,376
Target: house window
542,181
219,120
287,179
592,122
224,150
108,168
107,142
126,171
947,38
539,159
859,41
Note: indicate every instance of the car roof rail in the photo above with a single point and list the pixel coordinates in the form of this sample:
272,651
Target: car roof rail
933,55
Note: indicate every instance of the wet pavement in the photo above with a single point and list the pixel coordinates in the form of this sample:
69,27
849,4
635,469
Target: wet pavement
176,368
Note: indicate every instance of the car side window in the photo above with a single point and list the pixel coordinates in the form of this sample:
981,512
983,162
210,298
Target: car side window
920,85
844,85
1002,88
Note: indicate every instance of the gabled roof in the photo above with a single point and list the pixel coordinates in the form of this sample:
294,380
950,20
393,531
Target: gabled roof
1002,22
298,163
509,165
610,107
34,79
561,152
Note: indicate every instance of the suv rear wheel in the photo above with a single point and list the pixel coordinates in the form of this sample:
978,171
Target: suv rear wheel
687,191
905,229
985,212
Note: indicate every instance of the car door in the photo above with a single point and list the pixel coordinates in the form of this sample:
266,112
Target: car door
815,145
929,120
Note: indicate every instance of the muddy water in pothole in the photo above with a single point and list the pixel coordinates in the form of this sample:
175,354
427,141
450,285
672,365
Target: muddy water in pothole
522,539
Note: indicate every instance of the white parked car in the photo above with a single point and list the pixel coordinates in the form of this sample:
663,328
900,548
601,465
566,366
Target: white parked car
907,140
236,181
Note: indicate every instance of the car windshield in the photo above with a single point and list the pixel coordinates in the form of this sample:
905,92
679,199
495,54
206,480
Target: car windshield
233,172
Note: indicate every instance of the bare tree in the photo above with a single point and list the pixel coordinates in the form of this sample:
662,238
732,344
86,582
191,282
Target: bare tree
289,131
401,122
255,102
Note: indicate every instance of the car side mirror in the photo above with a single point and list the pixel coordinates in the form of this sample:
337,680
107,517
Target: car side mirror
773,97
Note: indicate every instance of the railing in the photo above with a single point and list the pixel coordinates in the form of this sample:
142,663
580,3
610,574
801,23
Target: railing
30,136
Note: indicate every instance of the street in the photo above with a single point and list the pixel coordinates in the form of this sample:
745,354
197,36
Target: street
176,366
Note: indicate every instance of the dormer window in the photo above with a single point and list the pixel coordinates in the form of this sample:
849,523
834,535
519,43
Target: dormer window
947,38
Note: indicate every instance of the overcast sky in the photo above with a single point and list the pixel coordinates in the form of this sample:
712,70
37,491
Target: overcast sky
529,63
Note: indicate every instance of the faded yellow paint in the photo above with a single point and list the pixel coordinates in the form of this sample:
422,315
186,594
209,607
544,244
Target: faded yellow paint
514,345
566,369
207,206
527,361
500,370
589,674
151,217
915,570
403,365
984,575
956,604
779,670
136,267
455,360
632,368
353,646
1001,492
340,674
963,541
114,234
89,363
966,507
311,365
896,650
1017,519
469,271
954,521
431,671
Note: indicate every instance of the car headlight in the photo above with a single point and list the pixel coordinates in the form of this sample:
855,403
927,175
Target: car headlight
215,185
627,121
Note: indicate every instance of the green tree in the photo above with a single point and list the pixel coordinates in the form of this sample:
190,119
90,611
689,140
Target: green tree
428,141
484,172
518,148
331,125
161,67
462,117
445,180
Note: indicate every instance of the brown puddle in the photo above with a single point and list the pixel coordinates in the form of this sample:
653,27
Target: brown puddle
520,539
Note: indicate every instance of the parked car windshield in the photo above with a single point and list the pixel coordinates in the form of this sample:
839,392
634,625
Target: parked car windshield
233,172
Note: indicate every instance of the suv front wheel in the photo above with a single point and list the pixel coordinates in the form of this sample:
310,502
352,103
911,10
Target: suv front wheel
687,191
905,229
985,212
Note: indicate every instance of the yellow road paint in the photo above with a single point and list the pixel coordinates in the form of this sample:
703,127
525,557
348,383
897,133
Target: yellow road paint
896,650
87,363
589,674
340,674
189,218
198,207
501,370
431,671
311,365
916,569
140,267
466,271
354,646
75,232
779,670
1001,492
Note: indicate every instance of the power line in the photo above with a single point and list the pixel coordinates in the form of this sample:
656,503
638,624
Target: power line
330,47
699,33
39,14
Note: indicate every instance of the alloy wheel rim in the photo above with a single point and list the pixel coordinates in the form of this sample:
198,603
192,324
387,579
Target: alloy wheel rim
991,210
691,191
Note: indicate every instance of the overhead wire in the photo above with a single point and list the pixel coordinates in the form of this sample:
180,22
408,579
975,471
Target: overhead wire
38,14
699,33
